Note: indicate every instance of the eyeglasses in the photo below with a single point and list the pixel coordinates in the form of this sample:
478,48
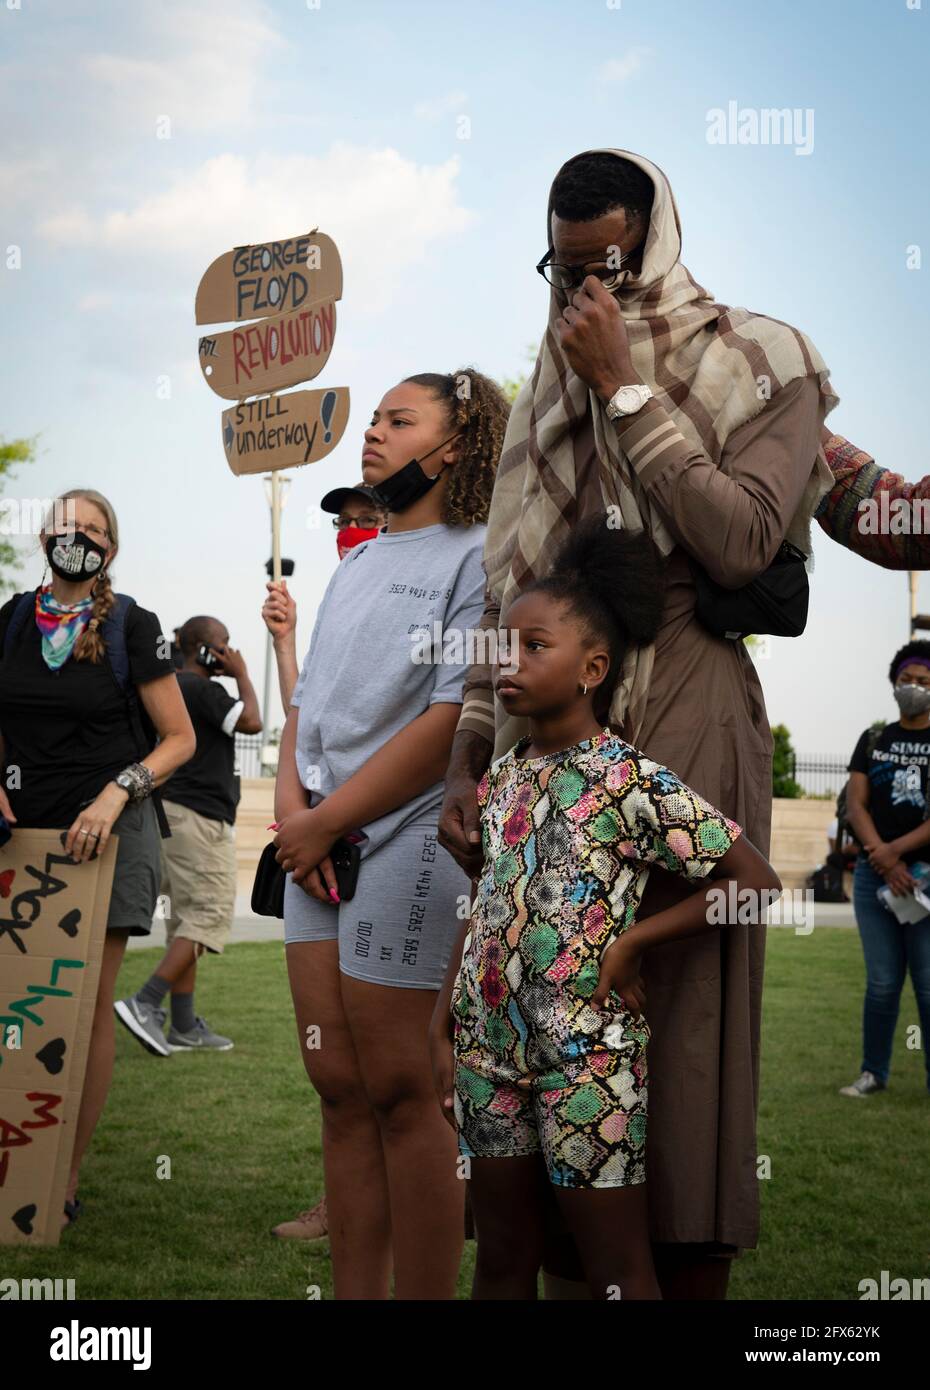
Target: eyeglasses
87,527
367,523
569,277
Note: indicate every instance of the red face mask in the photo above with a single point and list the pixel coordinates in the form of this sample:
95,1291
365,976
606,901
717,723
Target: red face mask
351,536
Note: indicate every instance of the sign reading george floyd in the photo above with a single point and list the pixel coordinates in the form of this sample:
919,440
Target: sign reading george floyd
288,289
52,922
283,431
252,282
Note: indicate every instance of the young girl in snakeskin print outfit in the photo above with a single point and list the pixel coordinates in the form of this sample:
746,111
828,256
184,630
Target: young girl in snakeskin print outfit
540,1037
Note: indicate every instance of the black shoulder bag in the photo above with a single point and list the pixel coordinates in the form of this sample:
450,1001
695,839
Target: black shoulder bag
775,602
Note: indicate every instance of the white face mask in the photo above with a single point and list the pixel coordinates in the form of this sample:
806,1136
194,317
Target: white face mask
912,699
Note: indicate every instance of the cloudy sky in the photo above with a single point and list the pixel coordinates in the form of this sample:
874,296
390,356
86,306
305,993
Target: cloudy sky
423,138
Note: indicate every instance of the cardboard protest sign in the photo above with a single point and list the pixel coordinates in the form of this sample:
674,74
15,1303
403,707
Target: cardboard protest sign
269,355
290,287
251,282
52,923
281,431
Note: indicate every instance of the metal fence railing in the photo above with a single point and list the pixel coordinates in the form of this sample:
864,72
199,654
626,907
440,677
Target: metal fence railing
249,757
820,774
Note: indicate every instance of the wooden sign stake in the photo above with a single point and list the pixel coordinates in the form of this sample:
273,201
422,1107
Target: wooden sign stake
276,527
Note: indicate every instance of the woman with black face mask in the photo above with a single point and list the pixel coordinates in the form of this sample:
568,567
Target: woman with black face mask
363,754
887,807
74,747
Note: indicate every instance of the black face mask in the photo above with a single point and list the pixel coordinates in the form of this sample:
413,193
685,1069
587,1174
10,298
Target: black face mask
408,484
74,556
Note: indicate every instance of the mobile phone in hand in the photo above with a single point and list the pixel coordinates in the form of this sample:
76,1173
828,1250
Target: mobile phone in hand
346,858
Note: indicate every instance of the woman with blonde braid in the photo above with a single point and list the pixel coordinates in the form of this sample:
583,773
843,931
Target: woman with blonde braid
76,738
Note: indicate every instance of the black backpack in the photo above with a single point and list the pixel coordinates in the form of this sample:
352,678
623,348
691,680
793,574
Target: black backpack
826,881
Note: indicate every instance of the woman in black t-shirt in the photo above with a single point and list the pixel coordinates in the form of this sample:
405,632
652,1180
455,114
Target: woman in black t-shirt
887,807
69,751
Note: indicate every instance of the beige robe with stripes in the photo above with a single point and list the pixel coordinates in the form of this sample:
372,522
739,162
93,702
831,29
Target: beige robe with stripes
706,720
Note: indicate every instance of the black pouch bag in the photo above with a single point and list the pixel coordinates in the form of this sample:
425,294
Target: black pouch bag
268,887
775,602
270,878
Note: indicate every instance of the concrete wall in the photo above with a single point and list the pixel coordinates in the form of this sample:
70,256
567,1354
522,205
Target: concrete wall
799,832
256,812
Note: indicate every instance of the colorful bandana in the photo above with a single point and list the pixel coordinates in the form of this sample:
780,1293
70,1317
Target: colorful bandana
60,624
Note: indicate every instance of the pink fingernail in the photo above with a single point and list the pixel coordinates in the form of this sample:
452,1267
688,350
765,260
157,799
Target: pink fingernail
334,895
274,826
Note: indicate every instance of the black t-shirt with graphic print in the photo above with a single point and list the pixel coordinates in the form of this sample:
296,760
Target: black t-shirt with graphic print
208,783
67,732
897,771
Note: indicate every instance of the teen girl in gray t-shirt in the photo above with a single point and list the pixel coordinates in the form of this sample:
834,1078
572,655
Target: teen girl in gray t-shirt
364,749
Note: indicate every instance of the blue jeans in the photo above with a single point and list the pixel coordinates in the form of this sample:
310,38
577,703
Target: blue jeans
890,948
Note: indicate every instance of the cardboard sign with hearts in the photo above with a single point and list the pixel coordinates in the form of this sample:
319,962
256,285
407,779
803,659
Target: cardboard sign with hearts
52,923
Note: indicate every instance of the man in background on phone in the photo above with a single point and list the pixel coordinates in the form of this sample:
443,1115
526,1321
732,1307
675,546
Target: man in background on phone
199,860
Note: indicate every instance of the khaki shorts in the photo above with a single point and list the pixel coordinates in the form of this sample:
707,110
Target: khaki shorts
198,878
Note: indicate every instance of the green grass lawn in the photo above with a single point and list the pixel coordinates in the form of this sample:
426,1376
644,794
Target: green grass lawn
846,1198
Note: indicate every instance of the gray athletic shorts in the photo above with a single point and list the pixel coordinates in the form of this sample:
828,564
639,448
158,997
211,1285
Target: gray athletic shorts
401,925
137,872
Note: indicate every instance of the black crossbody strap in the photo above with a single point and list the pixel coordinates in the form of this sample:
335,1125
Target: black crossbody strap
114,633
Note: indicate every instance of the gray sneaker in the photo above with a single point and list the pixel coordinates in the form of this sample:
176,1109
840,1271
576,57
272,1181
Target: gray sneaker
865,1086
145,1023
200,1038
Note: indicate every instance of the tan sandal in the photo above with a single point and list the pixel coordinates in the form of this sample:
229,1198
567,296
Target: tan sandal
309,1225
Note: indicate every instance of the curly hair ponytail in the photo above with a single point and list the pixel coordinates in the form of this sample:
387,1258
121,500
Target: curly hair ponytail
478,408
613,581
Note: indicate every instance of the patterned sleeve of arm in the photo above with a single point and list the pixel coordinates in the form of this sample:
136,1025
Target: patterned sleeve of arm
478,691
731,517
669,823
884,530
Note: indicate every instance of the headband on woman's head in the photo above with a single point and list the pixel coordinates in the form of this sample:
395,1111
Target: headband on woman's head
912,661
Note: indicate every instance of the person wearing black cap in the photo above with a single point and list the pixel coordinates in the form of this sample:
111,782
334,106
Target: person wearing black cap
359,516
